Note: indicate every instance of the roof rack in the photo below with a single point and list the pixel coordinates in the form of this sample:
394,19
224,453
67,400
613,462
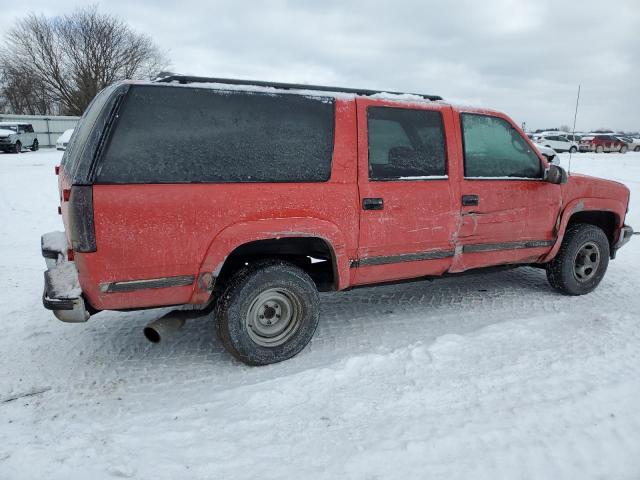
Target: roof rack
286,86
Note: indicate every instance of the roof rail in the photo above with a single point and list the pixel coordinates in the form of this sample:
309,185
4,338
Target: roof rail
286,86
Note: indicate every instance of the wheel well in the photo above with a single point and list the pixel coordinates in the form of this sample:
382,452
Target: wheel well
605,220
314,255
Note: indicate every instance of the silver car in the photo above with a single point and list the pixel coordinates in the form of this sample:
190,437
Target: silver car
15,136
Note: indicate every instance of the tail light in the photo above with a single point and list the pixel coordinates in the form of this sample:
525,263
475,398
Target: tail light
81,226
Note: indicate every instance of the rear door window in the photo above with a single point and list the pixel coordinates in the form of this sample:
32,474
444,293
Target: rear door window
405,144
171,134
494,149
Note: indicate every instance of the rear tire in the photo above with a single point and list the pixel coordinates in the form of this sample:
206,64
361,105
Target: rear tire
17,148
637,149
581,262
573,150
623,149
268,312
599,149
35,146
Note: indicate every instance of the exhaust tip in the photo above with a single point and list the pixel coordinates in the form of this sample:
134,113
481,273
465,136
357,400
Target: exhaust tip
162,328
152,334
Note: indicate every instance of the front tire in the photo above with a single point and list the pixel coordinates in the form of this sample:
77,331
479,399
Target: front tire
599,149
581,262
573,149
17,148
268,313
623,149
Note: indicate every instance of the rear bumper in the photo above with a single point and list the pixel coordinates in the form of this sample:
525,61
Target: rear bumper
62,293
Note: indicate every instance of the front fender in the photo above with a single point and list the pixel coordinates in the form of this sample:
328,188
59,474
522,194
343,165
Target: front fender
241,233
584,205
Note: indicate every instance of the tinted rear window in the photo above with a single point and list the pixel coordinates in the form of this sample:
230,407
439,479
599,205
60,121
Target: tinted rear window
169,134
78,158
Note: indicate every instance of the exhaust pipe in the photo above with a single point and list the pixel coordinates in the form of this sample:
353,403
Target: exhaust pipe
165,326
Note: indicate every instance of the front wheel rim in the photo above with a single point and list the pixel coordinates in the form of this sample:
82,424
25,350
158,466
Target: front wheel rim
586,262
273,317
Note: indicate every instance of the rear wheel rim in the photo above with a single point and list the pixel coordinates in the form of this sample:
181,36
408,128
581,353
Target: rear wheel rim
586,262
273,317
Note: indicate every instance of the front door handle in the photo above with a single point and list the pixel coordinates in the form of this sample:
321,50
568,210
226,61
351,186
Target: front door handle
470,200
372,204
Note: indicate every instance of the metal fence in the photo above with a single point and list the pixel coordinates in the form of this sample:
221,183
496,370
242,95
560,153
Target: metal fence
47,127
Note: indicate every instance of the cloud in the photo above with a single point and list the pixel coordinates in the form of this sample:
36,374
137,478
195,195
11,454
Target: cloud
521,56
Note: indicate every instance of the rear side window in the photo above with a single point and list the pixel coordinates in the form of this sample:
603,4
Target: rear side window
77,160
183,134
405,144
493,148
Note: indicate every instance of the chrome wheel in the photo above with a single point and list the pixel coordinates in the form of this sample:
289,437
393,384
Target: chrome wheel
273,317
586,262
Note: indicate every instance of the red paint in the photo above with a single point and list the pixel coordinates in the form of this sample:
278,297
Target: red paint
155,231
608,143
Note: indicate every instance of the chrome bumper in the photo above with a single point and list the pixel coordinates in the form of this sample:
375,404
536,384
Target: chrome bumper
62,293
625,235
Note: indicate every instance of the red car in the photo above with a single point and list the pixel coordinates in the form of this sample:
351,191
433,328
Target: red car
247,198
602,143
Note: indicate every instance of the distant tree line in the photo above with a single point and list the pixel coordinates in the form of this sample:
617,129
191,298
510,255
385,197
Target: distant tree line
56,65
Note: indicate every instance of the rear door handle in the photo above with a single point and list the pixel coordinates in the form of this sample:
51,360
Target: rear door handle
470,200
372,204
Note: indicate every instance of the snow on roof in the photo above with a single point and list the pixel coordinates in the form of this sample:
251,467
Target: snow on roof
404,97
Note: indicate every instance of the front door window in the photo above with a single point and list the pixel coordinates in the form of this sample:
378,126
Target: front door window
494,149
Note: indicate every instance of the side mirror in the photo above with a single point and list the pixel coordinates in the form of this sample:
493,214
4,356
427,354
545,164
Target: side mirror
556,175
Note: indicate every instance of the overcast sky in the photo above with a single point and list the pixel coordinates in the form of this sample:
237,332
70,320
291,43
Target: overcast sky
520,56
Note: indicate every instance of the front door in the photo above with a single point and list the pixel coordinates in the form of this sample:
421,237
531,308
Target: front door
508,211
407,164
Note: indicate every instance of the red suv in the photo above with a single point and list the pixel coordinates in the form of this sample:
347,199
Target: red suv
246,199
602,143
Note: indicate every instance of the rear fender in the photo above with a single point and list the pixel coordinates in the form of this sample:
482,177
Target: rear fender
241,233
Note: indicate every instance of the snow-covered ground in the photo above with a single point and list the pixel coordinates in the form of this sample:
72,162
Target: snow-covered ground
485,376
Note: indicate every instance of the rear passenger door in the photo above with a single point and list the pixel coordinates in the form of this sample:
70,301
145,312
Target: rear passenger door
408,212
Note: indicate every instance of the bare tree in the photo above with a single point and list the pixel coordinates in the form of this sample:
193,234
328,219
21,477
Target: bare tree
24,95
75,56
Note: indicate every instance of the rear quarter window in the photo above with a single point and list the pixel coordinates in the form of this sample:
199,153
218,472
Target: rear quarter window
170,134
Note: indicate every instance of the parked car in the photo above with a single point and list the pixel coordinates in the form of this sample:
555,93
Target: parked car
15,136
632,144
247,198
557,142
601,143
63,140
548,153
